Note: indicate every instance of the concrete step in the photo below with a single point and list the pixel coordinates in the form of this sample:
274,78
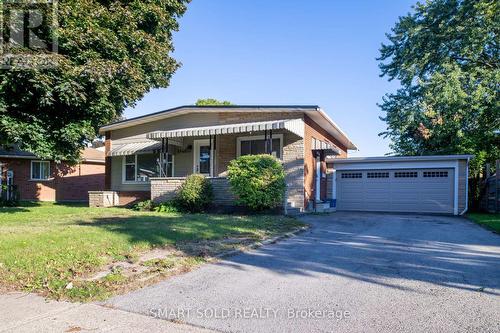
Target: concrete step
293,211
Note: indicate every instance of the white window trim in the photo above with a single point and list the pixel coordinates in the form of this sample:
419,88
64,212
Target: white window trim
196,151
39,179
257,137
124,181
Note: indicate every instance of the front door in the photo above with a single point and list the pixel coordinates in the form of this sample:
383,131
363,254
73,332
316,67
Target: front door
202,157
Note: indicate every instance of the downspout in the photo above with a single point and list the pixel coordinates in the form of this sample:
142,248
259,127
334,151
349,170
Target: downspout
466,188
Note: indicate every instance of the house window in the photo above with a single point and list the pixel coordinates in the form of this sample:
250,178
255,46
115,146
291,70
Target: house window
255,145
435,174
352,175
141,167
406,174
377,175
40,170
130,168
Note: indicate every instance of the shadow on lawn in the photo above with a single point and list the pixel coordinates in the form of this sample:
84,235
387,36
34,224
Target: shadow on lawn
169,230
384,253
444,251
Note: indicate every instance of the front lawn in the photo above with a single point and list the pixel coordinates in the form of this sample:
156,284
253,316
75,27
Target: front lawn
58,249
491,221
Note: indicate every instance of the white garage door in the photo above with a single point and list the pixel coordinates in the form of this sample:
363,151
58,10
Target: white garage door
412,190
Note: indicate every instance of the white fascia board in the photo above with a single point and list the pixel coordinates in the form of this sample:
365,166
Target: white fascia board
187,109
395,165
400,158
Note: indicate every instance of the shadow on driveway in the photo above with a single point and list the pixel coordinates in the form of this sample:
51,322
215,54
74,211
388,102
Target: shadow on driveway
375,248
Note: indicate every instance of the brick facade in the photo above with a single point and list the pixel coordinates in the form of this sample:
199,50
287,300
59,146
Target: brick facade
313,130
298,159
67,183
164,189
129,197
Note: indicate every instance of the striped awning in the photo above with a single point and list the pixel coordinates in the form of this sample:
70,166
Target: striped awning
325,146
295,126
139,147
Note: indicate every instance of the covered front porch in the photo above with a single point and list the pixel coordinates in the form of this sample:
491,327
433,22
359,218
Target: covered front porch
160,162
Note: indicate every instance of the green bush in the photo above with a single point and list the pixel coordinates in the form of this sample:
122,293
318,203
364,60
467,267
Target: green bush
195,194
258,181
146,205
166,207
13,201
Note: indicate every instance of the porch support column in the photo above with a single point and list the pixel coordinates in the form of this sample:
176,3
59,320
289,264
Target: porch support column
164,157
215,156
317,189
270,143
210,149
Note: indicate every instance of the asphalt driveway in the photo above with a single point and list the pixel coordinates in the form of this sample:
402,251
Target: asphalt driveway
351,272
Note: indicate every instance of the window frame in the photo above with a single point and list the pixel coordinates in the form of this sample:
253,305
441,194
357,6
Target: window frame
40,179
135,181
255,138
351,175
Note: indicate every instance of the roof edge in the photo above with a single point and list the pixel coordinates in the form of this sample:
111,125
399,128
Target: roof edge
157,114
399,158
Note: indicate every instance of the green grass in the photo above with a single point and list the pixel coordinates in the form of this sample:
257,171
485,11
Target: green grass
45,246
491,221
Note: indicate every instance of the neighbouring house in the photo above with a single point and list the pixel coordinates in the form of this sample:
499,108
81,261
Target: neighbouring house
45,180
148,157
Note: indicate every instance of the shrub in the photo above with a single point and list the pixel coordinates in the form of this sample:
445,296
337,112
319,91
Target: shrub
258,181
146,205
195,194
13,201
166,207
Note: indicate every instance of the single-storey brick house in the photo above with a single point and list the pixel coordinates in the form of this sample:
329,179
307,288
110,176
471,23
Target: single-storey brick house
44,180
204,139
150,156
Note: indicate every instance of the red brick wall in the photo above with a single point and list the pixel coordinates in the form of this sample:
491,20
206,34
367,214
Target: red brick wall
129,197
313,130
107,149
67,183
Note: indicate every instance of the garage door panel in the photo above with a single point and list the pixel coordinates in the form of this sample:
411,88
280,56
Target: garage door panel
431,191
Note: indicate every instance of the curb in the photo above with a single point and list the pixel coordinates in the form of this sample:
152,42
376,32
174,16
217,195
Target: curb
258,244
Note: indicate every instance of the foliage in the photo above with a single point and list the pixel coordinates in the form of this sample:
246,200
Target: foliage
195,194
166,207
45,246
13,201
144,206
446,57
211,102
490,221
110,53
258,181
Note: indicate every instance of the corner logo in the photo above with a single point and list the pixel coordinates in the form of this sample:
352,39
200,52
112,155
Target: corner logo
28,33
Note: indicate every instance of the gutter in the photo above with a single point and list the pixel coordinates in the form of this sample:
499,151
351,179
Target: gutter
466,188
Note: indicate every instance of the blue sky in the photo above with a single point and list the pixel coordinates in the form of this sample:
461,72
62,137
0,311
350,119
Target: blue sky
286,52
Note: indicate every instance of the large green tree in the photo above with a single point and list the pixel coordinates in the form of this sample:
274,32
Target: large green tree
446,56
110,53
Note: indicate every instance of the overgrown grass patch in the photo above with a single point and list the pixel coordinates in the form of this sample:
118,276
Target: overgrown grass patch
44,247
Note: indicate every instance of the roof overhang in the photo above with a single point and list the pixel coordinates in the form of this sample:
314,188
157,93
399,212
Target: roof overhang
295,126
312,111
138,147
385,159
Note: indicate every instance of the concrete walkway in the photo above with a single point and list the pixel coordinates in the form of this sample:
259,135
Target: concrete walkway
20,312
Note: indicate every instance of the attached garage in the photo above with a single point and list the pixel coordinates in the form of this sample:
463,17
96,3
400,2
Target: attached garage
421,184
